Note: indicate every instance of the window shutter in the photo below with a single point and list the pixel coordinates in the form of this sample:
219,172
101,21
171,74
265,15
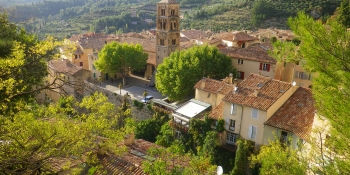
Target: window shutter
260,68
268,67
232,108
250,132
242,75
253,132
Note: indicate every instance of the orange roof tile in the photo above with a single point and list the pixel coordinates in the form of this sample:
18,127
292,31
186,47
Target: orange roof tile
194,34
217,112
64,66
256,52
235,36
213,86
269,91
296,114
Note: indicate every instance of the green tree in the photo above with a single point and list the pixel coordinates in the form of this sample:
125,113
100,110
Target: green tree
209,148
40,136
325,49
278,158
343,15
261,10
150,129
166,135
178,73
119,58
23,66
244,149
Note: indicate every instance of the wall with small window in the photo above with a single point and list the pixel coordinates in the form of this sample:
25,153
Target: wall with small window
253,124
206,97
272,133
232,115
245,67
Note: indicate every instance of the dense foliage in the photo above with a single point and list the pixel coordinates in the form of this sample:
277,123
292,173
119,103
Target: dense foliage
149,129
178,73
39,136
23,65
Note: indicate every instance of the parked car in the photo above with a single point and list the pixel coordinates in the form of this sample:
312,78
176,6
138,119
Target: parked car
147,99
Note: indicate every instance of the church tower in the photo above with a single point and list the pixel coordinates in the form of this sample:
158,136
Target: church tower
168,29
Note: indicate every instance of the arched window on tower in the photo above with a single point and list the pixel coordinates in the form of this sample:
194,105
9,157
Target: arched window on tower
162,42
174,25
162,12
164,25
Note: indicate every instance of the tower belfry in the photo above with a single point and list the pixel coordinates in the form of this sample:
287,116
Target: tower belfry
168,29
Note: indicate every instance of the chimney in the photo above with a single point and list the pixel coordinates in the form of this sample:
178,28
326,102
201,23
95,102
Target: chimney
255,93
203,83
230,78
129,139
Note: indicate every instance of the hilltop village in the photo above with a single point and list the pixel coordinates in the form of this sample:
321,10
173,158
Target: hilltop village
91,120
265,99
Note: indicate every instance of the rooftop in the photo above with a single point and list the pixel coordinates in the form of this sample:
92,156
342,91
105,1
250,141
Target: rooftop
194,34
192,108
235,36
296,114
217,112
64,66
258,92
256,52
214,86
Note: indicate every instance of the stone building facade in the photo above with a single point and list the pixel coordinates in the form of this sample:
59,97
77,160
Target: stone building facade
168,29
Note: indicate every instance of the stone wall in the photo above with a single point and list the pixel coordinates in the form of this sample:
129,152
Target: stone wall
116,99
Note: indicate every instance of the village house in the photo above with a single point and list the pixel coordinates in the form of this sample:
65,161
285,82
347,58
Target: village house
252,59
69,79
292,123
213,91
246,108
236,39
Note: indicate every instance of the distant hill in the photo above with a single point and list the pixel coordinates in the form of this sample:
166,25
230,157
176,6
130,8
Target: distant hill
63,18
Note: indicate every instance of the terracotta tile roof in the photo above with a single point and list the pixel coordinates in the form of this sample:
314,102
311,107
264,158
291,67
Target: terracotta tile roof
217,112
78,50
296,114
213,86
93,41
194,34
184,39
235,36
64,66
112,165
256,52
268,92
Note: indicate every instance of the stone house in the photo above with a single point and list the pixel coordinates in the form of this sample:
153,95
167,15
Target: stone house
236,39
69,79
252,59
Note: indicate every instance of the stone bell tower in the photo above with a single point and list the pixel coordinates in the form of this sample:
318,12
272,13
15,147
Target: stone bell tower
168,29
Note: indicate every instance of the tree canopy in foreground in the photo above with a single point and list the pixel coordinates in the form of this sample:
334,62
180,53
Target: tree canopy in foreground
325,51
39,137
178,73
22,65
118,58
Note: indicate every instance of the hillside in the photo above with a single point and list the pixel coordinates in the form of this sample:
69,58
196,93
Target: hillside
62,18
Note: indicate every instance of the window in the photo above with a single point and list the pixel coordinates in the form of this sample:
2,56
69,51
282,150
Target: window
284,137
174,26
172,12
162,12
243,45
76,56
232,125
231,138
255,113
94,75
265,67
252,132
162,42
81,63
232,109
302,75
240,61
173,41
240,75
208,95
